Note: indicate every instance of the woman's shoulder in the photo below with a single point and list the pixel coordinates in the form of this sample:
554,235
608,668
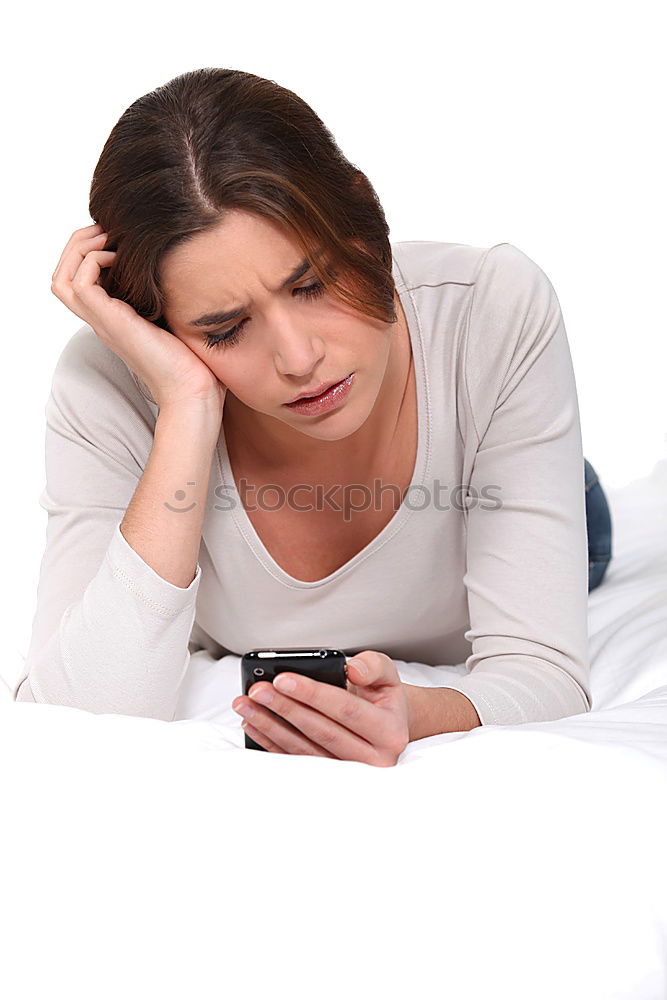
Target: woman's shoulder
431,262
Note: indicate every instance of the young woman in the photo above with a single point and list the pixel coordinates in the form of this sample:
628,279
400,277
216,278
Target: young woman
429,506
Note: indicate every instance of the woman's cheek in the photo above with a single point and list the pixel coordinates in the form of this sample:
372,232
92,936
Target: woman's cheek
245,385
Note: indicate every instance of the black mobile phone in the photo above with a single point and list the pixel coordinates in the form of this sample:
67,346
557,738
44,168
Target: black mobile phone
327,665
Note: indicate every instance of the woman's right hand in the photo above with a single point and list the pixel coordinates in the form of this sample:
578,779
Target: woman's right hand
174,374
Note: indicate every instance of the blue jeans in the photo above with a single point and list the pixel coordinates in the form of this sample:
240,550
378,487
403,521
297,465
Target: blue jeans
598,526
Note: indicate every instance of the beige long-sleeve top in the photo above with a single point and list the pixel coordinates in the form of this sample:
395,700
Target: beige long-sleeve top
484,563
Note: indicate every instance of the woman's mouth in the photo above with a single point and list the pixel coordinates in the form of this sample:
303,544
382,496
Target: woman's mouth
333,397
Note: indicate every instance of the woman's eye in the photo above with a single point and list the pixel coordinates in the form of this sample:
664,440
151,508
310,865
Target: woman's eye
231,337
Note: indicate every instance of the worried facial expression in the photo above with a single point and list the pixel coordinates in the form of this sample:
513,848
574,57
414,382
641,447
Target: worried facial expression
246,302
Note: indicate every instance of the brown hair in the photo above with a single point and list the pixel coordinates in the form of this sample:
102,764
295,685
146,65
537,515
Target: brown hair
215,139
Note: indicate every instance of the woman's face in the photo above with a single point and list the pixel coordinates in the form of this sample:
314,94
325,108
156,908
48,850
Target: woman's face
289,340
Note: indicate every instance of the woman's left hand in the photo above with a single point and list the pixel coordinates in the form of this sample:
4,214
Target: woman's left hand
368,721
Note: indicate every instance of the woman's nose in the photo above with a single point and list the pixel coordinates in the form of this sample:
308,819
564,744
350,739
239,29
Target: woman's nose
297,352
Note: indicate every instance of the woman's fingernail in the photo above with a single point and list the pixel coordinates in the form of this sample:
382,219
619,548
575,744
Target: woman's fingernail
358,665
263,696
284,683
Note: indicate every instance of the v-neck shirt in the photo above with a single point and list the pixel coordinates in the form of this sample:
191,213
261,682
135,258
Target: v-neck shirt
484,563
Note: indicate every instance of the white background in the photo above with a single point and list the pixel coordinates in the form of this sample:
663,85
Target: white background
536,124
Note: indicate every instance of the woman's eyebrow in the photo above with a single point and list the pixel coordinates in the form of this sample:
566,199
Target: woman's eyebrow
212,319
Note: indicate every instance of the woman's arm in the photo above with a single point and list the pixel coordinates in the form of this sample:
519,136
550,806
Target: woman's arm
111,629
527,558
434,710
161,525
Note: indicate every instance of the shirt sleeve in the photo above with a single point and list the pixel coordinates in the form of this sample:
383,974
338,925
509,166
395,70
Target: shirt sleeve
109,634
527,552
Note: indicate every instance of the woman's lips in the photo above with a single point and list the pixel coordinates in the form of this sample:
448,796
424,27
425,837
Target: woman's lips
311,395
333,397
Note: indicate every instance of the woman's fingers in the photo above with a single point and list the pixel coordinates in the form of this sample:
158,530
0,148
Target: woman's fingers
363,714
274,733
77,285
171,370
273,712
69,280
75,250
263,740
90,268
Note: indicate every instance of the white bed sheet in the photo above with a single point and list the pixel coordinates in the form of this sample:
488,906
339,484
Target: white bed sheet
528,861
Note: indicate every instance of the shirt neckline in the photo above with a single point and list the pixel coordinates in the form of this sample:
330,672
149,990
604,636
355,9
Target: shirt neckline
243,522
